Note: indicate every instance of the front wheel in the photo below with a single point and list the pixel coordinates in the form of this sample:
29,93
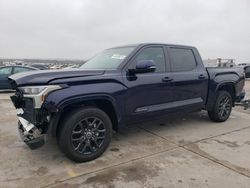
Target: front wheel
85,134
222,107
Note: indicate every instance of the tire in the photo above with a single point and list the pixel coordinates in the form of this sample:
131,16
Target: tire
85,134
222,107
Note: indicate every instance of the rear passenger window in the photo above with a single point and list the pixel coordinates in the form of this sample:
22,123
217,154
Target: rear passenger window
182,59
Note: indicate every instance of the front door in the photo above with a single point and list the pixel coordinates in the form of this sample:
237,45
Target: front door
148,92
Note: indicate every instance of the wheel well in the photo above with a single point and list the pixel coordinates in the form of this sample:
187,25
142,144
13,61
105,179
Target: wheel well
104,105
229,88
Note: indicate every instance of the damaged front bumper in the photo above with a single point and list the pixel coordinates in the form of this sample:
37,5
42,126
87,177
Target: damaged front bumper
34,114
33,138
32,124
29,133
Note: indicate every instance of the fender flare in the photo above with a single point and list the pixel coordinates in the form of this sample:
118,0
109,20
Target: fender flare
80,99
223,84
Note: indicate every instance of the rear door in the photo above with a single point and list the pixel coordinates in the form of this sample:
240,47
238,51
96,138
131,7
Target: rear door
4,73
190,79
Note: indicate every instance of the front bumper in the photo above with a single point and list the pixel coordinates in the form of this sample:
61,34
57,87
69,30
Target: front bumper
31,128
32,137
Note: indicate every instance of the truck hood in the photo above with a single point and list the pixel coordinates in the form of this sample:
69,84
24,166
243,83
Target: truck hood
46,76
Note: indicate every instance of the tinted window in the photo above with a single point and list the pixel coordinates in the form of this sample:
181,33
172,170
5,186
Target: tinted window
20,69
182,59
5,70
153,53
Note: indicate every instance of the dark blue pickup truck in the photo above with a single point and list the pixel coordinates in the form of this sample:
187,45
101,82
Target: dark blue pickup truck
119,86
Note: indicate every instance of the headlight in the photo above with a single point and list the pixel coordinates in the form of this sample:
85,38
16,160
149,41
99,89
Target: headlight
32,90
38,93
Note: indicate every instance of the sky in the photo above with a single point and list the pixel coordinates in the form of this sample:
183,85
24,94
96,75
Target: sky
78,29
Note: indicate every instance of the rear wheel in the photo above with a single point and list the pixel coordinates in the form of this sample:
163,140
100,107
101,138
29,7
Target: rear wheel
85,134
222,107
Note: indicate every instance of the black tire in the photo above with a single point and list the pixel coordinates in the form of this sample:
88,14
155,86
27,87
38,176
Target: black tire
222,107
85,134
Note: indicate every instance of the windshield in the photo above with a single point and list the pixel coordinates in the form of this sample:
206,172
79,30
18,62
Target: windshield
108,59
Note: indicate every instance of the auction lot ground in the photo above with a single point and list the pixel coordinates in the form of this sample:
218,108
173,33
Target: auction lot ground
190,151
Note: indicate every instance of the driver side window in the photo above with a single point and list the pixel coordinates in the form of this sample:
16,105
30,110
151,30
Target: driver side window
152,53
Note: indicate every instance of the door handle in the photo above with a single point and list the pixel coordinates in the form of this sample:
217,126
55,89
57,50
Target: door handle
167,79
202,77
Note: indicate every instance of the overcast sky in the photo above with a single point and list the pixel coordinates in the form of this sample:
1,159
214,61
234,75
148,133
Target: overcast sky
77,29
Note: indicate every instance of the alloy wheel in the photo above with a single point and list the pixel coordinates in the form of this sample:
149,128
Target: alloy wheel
224,107
88,135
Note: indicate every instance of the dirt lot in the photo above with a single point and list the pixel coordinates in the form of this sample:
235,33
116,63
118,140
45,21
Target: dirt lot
185,152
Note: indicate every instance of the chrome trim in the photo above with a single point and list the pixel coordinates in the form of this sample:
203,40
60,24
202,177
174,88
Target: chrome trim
169,105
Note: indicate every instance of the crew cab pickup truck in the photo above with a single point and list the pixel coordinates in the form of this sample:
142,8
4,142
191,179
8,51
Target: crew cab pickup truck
119,86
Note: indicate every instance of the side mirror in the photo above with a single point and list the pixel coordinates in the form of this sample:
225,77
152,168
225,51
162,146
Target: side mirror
144,66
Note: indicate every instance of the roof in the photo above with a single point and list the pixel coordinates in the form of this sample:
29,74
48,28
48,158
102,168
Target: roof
144,44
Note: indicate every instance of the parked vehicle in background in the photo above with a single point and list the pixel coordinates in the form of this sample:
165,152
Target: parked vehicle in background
7,71
55,67
120,86
246,67
243,64
247,71
71,67
40,66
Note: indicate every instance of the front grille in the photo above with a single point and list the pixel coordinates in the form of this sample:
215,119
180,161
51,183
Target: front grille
26,104
17,101
29,110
